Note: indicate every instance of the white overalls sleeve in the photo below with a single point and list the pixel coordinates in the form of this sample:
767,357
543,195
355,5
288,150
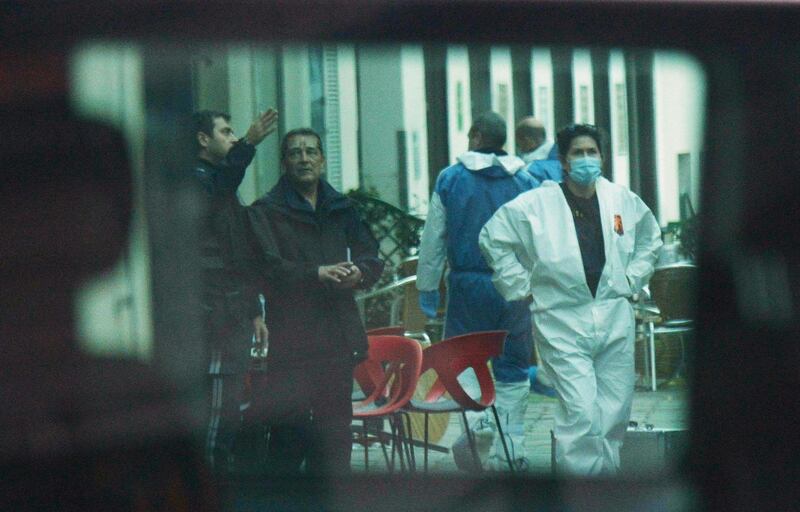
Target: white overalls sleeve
432,247
645,249
503,243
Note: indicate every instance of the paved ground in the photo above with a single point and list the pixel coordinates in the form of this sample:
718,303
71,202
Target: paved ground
664,409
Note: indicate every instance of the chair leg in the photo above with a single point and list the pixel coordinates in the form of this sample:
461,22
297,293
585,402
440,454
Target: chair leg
400,440
409,439
472,445
366,443
652,341
397,444
503,438
389,464
425,448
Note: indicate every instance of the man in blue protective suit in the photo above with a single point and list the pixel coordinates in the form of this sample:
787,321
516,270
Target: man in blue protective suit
541,161
580,250
466,195
530,137
548,168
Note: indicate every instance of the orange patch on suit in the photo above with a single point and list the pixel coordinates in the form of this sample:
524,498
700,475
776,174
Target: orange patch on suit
618,229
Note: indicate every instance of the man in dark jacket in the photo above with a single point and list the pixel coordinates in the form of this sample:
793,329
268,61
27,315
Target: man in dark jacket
230,296
315,251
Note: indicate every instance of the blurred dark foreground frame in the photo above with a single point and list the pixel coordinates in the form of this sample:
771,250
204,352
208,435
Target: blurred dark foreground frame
743,445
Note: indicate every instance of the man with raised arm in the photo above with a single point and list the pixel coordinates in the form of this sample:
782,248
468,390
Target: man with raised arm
230,296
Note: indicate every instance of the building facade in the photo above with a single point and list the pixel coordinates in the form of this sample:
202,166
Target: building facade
391,117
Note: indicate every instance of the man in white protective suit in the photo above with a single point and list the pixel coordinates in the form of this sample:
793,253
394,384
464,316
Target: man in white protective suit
579,250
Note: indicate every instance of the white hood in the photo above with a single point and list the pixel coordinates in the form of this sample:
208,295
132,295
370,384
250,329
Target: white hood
475,161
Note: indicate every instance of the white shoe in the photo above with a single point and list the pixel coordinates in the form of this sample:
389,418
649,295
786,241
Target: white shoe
497,463
484,438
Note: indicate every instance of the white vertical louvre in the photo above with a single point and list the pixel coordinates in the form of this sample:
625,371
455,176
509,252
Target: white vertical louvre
500,76
332,135
295,108
265,91
243,108
583,86
348,116
618,102
459,114
542,85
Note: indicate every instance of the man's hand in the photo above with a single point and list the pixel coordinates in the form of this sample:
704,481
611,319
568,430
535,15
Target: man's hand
260,330
352,279
335,274
264,124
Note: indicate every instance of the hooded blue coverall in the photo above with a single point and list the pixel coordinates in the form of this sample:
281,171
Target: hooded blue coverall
465,197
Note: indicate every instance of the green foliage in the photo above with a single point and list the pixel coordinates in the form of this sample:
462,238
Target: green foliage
398,234
688,229
688,234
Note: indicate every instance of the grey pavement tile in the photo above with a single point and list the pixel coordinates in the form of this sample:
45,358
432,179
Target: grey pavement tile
665,408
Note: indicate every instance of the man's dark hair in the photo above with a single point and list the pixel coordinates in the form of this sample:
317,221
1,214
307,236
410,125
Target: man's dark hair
299,131
203,121
570,132
492,128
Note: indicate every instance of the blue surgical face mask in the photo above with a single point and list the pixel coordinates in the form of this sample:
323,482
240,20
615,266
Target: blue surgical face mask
585,170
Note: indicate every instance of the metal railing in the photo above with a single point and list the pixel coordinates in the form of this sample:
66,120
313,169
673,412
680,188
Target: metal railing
398,234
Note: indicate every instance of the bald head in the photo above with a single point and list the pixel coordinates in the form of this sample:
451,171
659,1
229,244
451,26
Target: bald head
529,135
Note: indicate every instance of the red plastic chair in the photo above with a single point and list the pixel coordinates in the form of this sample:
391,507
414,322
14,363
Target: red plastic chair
390,372
365,375
394,330
449,358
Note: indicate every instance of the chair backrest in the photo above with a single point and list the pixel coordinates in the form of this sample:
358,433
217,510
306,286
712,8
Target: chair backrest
390,371
414,319
408,266
394,330
366,375
450,357
674,290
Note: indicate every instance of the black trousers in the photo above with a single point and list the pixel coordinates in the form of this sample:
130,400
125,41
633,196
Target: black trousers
224,418
309,413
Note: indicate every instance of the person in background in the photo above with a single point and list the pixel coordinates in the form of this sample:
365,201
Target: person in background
314,252
540,155
465,197
579,251
531,141
230,297
541,161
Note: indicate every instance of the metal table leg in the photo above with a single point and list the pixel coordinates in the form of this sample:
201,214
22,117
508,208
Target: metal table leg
652,359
